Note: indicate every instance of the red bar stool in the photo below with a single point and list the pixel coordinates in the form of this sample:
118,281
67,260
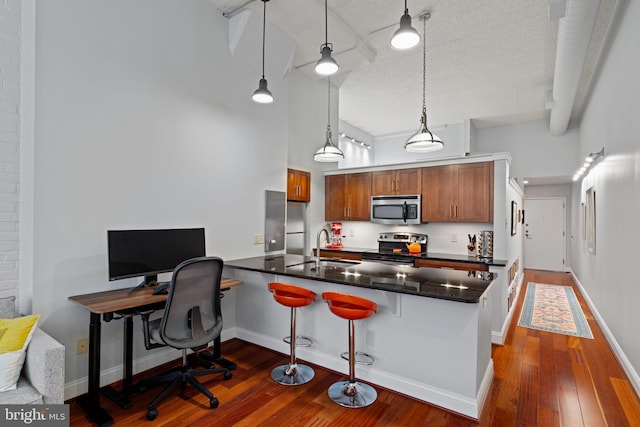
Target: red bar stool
292,296
351,393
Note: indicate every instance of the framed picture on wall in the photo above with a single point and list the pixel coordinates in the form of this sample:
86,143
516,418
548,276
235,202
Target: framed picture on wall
591,220
514,218
583,220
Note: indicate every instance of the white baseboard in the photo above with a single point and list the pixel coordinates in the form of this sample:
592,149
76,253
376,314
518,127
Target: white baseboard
443,398
114,374
617,350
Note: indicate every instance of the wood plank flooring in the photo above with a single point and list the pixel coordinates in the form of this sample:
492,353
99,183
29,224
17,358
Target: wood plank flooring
541,379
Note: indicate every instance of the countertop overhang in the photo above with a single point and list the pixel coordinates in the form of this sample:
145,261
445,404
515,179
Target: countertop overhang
452,285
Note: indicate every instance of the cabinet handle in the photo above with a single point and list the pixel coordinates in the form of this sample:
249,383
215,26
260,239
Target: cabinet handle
450,211
456,211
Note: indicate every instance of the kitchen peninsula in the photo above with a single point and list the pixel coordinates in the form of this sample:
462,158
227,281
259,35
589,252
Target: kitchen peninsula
431,336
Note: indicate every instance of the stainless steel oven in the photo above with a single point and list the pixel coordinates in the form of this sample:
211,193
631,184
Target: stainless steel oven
396,210
392,248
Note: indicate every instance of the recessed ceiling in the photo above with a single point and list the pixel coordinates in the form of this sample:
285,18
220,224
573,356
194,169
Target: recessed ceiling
490,61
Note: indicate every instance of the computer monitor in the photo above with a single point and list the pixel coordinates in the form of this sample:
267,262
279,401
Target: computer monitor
135,253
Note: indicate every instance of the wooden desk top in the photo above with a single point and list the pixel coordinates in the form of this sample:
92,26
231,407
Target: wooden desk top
121,299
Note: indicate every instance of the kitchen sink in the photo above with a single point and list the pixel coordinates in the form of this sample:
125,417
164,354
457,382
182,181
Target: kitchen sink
330,262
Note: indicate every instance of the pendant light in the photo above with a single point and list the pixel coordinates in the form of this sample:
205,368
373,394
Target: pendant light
262,95
326,65
329,152
406,36
424,140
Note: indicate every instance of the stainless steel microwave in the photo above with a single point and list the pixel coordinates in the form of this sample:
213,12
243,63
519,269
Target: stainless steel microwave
398,210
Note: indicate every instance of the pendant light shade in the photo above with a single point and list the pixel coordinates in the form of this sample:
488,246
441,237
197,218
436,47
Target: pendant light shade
326,65
406,36
262,95
329,152
424,140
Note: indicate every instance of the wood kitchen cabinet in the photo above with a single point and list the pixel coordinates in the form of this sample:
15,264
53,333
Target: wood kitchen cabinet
451,265
458,193
398,181
298,186
347,197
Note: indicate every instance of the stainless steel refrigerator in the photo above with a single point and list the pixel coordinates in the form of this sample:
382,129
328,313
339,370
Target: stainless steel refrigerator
295,228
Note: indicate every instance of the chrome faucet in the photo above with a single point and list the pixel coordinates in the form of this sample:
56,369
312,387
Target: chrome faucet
323,228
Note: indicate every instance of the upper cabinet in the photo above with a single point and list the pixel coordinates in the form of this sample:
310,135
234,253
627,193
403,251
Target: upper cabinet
458,193
348,197
398,181
298,186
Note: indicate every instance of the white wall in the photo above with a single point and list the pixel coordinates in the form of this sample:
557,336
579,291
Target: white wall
10,40
535,152
355,155
609,276
144,119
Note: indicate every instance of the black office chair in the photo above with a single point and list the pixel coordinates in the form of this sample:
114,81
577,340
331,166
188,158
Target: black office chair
192,319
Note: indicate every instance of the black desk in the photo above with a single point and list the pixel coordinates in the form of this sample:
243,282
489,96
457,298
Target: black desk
110,305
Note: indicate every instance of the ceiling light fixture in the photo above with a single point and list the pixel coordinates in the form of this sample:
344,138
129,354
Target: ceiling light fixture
589,162
355,140
262,95
329,152
424,140
406,36
326,65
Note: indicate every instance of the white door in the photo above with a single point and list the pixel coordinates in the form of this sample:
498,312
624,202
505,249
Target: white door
544,234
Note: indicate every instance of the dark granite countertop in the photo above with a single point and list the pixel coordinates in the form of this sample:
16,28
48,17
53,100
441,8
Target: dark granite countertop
453,285
433,256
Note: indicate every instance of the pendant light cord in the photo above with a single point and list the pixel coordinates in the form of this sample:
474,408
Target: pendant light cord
424,65
326,25
264,24
406,11
328,105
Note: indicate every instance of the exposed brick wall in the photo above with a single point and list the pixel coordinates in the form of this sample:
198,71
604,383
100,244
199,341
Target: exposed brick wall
9,144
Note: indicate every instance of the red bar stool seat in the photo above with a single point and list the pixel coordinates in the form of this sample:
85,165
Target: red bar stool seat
293,297
351,393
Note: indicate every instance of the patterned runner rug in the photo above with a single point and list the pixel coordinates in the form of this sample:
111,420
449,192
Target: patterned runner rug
553,308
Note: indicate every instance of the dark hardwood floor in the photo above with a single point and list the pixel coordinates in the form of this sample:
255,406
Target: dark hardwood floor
541,379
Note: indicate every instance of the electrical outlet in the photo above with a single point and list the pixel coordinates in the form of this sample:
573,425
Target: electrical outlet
454,237
371,338
82,346
258,239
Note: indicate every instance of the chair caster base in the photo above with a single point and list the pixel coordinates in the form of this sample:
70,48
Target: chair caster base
292,374
352,395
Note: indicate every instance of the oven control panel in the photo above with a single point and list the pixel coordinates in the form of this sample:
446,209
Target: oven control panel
403,238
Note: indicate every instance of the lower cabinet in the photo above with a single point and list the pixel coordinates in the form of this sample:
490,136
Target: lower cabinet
324,253
453,265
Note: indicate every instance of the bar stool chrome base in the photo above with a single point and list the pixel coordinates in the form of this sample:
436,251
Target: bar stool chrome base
360,358
292,374
301,341
352,395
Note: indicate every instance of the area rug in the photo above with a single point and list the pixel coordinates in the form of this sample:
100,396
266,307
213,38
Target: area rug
553,308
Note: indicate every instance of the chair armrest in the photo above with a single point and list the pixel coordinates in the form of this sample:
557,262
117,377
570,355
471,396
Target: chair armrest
44,366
